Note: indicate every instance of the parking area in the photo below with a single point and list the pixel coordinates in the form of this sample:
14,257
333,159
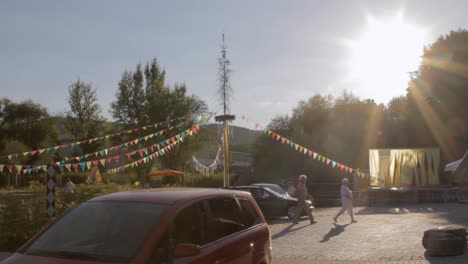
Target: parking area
381,235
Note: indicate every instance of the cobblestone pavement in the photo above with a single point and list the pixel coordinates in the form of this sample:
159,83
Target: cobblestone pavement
381,235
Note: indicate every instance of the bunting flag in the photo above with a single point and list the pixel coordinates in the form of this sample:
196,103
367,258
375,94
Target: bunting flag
301,149
210,169
83,166
198,119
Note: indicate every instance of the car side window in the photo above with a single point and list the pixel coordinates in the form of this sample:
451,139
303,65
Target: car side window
224,218
249,215
259,194
190,224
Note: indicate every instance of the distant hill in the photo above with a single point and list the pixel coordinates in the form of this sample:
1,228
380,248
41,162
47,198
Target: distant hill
239,135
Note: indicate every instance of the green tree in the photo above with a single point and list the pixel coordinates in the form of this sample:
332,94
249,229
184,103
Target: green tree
144,98
437,91
129,108
84,119
25,126
26,122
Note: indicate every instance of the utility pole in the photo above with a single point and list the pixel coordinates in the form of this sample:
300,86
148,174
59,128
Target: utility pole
225,93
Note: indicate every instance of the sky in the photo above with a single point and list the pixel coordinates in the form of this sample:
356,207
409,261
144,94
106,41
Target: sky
281,52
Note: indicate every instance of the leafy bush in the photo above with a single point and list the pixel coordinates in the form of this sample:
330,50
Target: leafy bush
22,216
213,181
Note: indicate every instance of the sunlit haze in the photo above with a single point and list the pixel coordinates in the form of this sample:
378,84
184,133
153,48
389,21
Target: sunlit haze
280,52
384,54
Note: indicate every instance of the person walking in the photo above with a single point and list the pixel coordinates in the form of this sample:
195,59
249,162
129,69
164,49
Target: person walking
302,196
69,186
346,201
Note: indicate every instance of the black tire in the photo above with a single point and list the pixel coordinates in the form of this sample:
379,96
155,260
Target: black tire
291,211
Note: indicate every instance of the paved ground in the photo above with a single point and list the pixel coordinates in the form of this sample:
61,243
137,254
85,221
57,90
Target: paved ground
382,235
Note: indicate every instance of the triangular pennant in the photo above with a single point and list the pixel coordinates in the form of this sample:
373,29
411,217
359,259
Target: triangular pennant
88,165
301,149
95,163
83,166
333,164
296,146
18,168
67,166
129,156
75,166
1,168
103,162
328,161
41,151
33,152
315,155
283,140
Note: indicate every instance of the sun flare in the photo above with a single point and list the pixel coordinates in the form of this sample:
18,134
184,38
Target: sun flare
384,54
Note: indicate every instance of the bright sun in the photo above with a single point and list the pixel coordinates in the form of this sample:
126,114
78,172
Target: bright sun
383,56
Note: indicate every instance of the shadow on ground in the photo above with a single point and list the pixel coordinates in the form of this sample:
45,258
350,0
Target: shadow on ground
336,230
287,230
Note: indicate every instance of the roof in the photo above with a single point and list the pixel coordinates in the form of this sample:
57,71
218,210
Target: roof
166,195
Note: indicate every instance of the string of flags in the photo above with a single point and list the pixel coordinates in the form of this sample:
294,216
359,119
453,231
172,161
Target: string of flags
146,159
303,150
133,142
157,150
210,169
198,118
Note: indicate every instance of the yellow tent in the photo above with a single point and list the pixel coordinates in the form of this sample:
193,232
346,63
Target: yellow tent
94,176
404,167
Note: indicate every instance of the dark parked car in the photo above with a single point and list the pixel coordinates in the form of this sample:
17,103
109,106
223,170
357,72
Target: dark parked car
273,187
155,226
272,203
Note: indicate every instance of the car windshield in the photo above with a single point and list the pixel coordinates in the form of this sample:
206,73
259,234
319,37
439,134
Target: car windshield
106,231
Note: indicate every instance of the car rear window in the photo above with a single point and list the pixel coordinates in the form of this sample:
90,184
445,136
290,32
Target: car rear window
99,230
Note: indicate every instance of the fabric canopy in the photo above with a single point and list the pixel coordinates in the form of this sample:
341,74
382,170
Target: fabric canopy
460,174
165,173
404,167
453,165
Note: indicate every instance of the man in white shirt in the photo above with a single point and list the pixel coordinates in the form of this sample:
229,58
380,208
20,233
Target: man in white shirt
346,201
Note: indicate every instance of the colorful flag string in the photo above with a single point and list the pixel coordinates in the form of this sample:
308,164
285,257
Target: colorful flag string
157,150
303,150
207,170
197,118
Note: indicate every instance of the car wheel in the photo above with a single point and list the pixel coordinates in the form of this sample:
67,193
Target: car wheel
291,212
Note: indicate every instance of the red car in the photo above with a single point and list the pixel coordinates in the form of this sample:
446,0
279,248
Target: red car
155,226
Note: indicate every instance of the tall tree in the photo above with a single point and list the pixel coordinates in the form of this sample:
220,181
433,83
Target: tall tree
84,119
26,122
129,108
144,98
437,94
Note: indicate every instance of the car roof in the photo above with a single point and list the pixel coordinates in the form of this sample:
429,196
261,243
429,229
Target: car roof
245,187
167,195
265,184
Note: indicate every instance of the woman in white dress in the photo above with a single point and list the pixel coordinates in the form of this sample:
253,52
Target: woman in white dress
346,201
